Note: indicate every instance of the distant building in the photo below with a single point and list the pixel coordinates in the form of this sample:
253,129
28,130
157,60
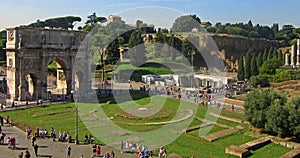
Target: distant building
211,80
113,18
161,80
203,24
195,30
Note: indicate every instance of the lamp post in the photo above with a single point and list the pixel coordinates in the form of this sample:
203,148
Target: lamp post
75,97
101,52
192,66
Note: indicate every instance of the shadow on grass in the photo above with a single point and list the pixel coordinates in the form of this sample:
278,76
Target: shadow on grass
135,95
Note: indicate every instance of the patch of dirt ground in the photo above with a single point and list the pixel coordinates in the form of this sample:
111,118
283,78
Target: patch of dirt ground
291,88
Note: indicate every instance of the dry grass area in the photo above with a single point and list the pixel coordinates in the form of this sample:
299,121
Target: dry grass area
234,101
291,88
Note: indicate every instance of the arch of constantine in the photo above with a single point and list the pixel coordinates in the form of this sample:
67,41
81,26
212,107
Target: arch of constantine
29,52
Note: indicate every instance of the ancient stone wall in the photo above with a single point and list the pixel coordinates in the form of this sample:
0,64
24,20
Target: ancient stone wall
236,46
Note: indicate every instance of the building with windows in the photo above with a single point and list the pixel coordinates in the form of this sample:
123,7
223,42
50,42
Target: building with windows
113,18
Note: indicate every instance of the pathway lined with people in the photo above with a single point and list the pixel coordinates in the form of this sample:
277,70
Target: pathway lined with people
48,148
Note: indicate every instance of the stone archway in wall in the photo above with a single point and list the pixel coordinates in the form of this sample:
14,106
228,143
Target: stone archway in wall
78,78
58,80
30,51
30,85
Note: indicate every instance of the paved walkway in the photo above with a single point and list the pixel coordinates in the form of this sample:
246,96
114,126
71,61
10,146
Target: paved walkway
48,148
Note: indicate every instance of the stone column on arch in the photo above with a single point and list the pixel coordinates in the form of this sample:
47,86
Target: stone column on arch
287,59
69,77
293,55
298,52
22,86
44,75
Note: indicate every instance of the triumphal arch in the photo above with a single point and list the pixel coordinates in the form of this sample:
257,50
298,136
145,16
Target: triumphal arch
29,52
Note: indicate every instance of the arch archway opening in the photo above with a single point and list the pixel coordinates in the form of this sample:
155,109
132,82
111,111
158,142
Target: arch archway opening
56,81
30,89
78,78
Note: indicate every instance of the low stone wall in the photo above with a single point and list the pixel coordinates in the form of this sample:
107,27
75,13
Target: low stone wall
236,151
226,118
258,143
214,136
243,150
197,127
292,154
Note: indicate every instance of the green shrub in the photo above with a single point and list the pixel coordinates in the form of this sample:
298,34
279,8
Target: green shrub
260,81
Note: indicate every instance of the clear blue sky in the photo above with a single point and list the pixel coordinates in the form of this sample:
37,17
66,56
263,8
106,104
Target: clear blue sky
265,12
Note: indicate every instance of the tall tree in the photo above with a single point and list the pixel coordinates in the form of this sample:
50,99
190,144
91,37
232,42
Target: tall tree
248,66
280,57
259,60
172,47
187,49
249,26
275,27
265,55
269,67
270,53
277,119
186,23
137,48
67,22
275,53
294,115
254,69
159,41
258,102
93,19
112,51
241,70
2,45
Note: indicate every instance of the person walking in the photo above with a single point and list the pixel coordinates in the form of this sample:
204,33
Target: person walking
2,121
98,150
33,139
112,154
28,131
36,148
54,135
20,155
69,151
27,154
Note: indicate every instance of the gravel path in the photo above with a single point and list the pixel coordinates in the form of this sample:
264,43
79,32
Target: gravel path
48,148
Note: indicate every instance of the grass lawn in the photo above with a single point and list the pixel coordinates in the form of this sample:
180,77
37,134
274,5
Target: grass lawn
270,150
62,117
212,130
187,145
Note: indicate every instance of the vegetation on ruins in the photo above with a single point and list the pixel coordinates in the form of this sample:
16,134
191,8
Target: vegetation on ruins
241,71
263,68
137,49
288,32
2,45
186,23
67,22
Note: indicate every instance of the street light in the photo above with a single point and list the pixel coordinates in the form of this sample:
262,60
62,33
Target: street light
192,66
101,52
75,97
